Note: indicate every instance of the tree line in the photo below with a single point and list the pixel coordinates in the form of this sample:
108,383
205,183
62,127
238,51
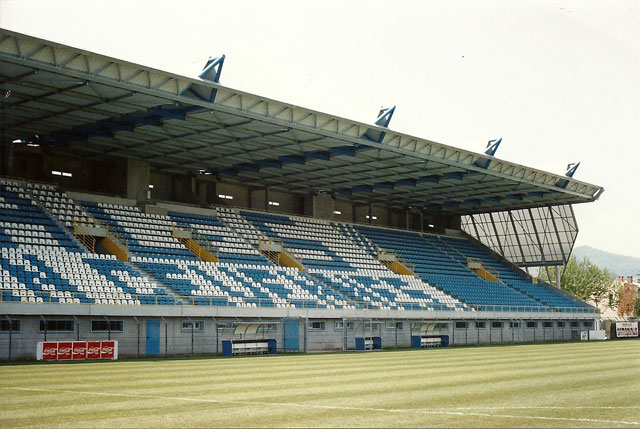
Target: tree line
587,281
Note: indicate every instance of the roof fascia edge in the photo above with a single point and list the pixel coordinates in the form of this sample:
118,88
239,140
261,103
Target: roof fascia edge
394,141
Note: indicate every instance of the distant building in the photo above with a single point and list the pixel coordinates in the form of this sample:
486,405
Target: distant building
609,308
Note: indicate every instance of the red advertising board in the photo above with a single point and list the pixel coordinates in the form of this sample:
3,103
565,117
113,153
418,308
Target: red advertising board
79,350
108,349
65,350
49,351
93,349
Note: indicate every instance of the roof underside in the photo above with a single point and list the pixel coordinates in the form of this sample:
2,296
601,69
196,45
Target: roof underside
95,106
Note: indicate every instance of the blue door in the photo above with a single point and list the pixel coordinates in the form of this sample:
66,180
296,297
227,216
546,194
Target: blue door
291,335
153,337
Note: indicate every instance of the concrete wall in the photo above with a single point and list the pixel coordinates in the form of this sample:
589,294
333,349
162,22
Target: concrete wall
79,196
360,213
138,179
131,179
258,199
346,211
162,185
240,194
397,218
287,202
323,206
174,340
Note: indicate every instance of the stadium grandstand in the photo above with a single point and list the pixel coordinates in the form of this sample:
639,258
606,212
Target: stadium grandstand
179,216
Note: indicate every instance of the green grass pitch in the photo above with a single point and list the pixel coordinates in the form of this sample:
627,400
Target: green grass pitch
595,384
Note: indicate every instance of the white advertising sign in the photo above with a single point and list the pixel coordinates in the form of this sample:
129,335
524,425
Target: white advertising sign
626,329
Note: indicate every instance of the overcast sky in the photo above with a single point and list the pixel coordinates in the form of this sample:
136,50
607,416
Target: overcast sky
559,80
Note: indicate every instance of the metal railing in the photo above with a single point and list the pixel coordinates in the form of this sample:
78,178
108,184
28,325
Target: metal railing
82,234
402,261
475,263
106,298
185,233
262,241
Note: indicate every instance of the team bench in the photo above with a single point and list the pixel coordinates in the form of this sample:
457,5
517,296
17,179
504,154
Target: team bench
249,347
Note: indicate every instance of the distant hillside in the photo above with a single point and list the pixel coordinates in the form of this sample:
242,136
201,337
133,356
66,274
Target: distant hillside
619,265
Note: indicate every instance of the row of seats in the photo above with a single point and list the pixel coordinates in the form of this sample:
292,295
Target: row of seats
40,260
443,262
335,259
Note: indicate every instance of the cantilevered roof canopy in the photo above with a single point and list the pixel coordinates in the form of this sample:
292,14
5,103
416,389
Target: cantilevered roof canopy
97,106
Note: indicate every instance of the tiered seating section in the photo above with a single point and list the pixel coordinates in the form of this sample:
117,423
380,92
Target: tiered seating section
40,261
58,204
507,275
22,222
348,269
232,248
442,261
147,235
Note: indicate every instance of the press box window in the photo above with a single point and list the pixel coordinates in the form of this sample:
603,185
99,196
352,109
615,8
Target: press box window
9,325
107,326
57,326
497,325
461,325
317,326
192,325
531,324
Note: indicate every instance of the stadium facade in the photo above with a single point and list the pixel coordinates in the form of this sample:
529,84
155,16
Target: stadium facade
173,214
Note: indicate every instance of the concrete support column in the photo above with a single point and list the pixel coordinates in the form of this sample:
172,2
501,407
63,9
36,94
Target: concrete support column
323,205
212,191
258,199
138,179
5,147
